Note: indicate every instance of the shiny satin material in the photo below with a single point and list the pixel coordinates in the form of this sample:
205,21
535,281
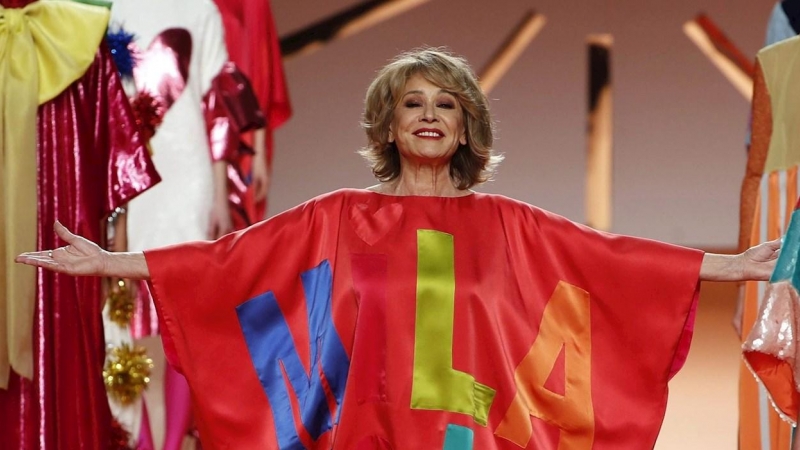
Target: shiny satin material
40,55
253,45
277,359
433,340
458,438
508,260
370,280
552,387
163,68
89,161
231,109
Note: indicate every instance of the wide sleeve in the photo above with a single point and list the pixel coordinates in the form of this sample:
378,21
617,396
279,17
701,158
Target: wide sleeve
197,288
643,294
630,332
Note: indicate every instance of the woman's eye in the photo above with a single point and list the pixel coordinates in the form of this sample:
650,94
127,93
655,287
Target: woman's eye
413,104
446,105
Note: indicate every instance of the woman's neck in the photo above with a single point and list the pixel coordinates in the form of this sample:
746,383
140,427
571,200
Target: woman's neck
423,180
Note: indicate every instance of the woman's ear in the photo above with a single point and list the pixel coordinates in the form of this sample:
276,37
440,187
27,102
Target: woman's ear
391,136
463,139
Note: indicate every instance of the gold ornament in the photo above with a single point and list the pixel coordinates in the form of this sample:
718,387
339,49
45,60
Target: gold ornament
120,304
127,373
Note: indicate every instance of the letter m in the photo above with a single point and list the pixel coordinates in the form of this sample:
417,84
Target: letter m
276,360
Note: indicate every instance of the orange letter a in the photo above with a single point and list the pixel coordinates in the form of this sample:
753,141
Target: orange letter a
565,322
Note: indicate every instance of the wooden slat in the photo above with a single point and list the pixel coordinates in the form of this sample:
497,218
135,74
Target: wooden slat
723,53
508,53
343,24
599,160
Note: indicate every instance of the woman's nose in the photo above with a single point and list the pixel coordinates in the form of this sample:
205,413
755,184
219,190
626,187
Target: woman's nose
429,114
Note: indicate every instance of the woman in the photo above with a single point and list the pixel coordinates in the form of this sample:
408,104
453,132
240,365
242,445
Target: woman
418,313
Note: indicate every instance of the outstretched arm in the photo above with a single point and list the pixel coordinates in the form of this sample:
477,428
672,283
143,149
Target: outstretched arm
756,263
83,257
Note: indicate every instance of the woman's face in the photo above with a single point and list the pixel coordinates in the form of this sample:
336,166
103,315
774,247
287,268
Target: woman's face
428,123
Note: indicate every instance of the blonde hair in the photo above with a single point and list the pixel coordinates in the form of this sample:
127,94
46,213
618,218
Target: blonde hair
472,163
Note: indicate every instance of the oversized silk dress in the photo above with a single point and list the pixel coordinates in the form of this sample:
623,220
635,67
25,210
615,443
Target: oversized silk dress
769,192
90,160
361,321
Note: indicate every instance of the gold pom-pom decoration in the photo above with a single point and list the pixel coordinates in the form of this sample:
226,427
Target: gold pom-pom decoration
127,373
120,304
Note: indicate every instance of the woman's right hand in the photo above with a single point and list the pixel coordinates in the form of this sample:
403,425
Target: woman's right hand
79,257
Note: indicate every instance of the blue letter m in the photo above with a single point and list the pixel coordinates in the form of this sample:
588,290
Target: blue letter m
273,352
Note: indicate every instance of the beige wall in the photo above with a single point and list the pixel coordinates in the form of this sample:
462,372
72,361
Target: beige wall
679,126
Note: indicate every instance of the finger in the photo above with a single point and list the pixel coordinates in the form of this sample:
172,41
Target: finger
63,233
43,254
37,261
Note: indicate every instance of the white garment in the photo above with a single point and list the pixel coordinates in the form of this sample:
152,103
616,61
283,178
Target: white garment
177,209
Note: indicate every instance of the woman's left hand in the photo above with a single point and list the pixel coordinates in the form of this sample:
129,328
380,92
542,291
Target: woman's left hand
758,262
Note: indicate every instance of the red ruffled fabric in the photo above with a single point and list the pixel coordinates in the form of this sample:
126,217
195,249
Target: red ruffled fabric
231,110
